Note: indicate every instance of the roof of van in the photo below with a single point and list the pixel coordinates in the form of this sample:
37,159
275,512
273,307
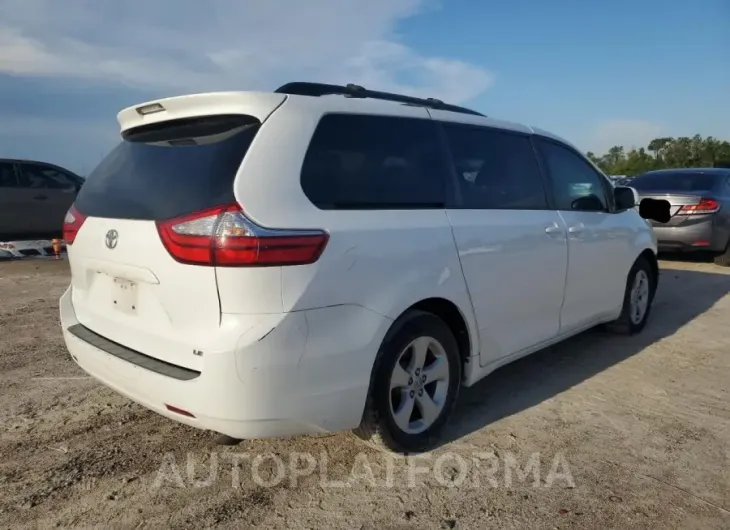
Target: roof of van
262,104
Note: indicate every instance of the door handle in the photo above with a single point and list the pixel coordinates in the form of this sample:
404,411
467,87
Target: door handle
576,229
40,197
553,229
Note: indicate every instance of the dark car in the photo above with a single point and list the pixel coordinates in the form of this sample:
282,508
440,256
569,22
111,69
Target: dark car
34,198
700,209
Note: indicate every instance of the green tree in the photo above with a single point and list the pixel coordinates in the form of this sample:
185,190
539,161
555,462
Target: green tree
663,153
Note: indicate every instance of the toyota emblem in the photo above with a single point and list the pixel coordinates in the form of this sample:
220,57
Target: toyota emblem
112,236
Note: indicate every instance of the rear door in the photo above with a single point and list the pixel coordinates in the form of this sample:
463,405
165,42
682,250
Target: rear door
126,285
50,192
512,246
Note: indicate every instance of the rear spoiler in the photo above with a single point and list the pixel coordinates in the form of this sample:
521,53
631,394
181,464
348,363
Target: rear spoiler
260,105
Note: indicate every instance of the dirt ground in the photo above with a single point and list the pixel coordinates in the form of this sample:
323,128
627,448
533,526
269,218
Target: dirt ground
598,432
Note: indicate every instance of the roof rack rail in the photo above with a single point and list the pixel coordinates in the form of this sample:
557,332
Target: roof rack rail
302,88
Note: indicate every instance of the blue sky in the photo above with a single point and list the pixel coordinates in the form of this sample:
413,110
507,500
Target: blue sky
597,73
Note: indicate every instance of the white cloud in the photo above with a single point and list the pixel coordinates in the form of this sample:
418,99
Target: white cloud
185,46
627,133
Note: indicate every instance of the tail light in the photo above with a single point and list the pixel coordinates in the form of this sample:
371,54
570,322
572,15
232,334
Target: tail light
704,206
225,237
72,224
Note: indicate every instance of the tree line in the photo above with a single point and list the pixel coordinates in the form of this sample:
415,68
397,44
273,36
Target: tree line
665,153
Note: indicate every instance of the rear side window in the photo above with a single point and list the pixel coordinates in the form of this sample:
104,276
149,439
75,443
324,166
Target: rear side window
495,169
169,169
674,181
374,162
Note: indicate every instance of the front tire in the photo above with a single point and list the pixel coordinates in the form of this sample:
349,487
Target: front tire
638,298
414,386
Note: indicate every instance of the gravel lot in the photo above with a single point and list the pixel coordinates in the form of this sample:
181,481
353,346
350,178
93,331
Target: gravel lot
624,432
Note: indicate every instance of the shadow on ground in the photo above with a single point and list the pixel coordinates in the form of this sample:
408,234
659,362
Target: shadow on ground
683,295
687,257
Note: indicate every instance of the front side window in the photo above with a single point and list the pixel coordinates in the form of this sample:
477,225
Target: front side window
495,169
45,177
374,162
574,182
8,178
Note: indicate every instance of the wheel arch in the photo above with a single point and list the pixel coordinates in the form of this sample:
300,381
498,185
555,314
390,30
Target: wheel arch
651,258
452,316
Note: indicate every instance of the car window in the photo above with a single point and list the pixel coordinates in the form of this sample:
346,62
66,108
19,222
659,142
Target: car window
44,177
675,181
8,179
164,170
574,182
374,162
495,169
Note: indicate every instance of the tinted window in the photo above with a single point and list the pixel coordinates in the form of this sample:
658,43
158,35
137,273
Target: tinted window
574,182
37,176
495,169
374,162
169,169
7,176
670,181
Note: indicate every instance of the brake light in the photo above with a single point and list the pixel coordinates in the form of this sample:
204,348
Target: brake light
704,206
72,224
225,237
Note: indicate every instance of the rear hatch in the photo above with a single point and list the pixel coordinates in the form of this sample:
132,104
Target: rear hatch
127,286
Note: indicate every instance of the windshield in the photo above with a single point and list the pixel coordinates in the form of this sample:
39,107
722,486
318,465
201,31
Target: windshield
674,181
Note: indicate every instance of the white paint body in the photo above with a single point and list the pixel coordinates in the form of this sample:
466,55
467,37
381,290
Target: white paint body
289,350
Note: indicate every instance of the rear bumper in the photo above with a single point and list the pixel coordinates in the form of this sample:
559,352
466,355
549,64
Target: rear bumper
309,374
702,236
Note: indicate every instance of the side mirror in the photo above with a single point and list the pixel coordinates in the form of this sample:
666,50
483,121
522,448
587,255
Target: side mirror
625,197
588,203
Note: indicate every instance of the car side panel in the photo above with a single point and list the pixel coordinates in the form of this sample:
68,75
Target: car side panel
383,260
516,275
22,213
599,259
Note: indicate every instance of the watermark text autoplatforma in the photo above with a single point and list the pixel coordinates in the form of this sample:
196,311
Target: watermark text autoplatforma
450,469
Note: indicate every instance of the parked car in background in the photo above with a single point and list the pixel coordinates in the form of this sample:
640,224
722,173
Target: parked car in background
620,180
34,198
303,261
700,209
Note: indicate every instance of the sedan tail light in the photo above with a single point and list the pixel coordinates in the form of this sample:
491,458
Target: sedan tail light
224,237
704,206
72,224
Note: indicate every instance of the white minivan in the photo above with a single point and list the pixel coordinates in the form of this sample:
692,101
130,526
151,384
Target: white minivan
324,258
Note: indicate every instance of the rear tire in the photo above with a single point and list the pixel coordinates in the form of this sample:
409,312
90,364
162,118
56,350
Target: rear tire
723,259
414,385
638,298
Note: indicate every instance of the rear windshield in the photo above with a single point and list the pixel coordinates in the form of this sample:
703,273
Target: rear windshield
679,181
165,170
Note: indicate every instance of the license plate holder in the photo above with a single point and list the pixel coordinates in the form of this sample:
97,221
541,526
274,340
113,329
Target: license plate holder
125,296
